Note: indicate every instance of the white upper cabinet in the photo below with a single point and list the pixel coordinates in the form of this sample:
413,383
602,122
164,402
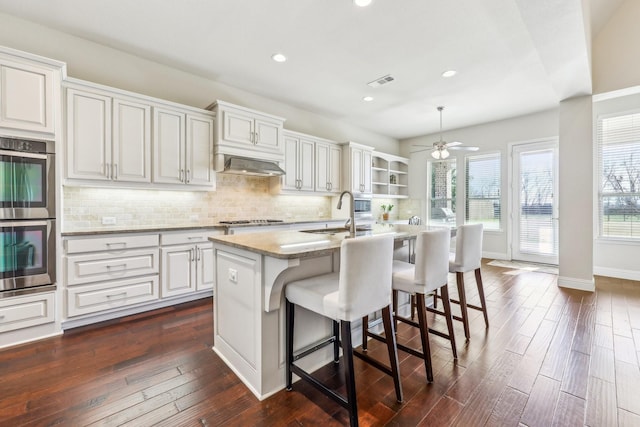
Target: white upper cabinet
27,96
182,145
247,133
298,162
109,139
114,137
328,167
357,167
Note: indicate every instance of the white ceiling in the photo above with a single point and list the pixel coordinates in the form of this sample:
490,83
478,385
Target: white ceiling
512,56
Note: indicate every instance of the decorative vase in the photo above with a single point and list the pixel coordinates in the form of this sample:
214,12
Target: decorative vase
385,216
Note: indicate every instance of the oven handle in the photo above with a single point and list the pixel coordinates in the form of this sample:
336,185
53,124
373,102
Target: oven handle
18,154
22,223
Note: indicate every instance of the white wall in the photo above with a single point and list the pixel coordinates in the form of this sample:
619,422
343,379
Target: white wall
616,51
101,64
614,257
490,137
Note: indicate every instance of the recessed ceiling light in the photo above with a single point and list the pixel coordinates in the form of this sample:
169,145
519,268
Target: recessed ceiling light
449,73
278,57
368,98
362,3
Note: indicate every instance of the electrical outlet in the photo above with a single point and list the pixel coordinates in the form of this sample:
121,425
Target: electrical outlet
108,220
194,218
233,275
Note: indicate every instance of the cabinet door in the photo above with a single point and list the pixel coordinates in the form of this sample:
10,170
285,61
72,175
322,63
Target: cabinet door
178,270
131,141
356,170
206,274
26,97
237,127
366,171
168,146
268,136
323,159
88,135
199,151
335,169
306,164
290,179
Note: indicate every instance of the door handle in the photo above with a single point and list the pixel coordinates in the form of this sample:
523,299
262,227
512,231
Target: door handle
115,171
188,180
107,170
181,175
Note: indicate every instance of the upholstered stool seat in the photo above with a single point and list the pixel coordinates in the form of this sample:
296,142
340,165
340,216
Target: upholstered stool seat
363,285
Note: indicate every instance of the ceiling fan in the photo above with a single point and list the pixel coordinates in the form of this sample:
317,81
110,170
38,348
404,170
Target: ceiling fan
440,149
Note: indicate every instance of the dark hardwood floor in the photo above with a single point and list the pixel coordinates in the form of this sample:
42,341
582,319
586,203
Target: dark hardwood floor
551,357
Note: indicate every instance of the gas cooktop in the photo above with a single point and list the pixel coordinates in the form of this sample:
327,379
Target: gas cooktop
250,221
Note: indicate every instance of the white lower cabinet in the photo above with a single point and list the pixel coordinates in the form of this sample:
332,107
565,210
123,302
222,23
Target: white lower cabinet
26,311
187,263
110,272
112,275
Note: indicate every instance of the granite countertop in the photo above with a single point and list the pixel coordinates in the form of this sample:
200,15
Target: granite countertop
299,244
180,227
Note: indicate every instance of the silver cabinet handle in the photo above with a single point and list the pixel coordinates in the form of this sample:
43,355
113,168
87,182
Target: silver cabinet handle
188,180
198,250
124,266
181,175
117,295
109,245
257,138
115,171
193,255
107,170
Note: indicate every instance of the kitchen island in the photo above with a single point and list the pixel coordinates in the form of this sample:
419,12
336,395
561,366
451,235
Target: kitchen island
251,273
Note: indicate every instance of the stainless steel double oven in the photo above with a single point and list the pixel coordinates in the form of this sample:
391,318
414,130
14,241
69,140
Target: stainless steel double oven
27,214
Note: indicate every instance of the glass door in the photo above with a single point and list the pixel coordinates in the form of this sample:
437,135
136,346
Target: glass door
535,195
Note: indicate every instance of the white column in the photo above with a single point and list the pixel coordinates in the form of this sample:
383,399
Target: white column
576,194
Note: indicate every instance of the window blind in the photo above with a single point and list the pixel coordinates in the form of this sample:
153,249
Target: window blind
618,146
443,191
482,195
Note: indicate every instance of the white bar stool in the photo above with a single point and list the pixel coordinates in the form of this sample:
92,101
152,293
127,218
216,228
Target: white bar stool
362,286
429,273
468,257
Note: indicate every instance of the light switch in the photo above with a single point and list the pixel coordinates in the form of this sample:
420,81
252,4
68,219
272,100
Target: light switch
108,220
233,275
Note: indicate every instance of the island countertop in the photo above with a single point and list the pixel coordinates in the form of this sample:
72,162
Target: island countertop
303,244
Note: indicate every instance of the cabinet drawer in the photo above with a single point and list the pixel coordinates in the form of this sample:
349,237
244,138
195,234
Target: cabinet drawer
112,244
101,266
185,238
26,311
117,294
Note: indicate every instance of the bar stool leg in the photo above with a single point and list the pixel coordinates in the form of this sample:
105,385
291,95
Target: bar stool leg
483,304
365,329
336,342
395,309
347,352
424,332
446,304
390,336
463,303
289,315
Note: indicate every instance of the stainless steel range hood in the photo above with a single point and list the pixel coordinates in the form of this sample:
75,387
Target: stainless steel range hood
248,166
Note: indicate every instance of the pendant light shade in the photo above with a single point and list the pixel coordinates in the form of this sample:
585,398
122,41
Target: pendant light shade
440,154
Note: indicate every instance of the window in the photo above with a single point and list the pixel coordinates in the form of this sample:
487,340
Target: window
443,191
618,139
482,184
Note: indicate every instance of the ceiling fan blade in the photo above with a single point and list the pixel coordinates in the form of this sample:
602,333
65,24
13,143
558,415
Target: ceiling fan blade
463,148
420,151
453,144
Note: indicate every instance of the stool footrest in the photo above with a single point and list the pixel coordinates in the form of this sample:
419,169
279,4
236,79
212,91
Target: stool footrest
373,362
321,387
314,347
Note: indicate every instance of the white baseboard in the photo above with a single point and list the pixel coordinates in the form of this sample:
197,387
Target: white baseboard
579,284
617,272
495,255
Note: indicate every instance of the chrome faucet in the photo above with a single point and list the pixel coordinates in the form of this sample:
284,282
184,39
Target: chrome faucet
352,216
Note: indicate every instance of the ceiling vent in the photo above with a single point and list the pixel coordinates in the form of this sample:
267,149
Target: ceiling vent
381,81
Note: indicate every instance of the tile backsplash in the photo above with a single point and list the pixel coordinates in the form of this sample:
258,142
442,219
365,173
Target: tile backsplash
236,197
